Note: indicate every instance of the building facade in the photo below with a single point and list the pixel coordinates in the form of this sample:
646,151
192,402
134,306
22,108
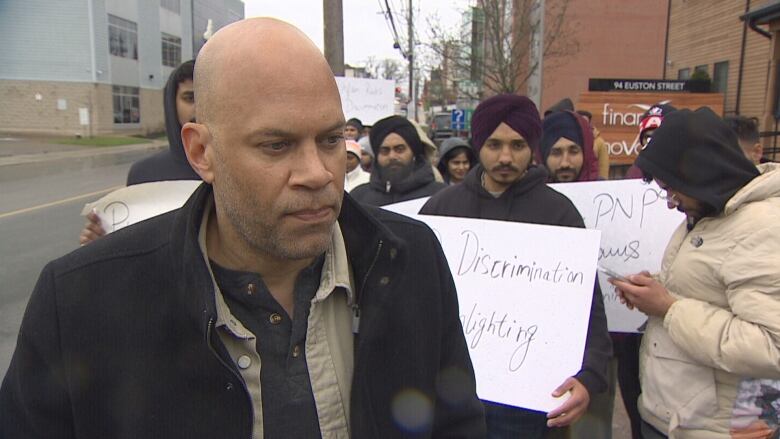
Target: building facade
88,67
614,39
709,36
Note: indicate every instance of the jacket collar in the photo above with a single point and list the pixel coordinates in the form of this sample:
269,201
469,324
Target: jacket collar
766,185
367,241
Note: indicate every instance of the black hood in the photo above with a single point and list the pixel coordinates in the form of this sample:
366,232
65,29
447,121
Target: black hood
172,163
172,125
695,153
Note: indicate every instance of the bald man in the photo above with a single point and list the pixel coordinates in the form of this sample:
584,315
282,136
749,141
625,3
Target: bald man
270,305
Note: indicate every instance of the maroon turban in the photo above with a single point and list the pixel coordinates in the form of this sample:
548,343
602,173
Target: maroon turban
518,112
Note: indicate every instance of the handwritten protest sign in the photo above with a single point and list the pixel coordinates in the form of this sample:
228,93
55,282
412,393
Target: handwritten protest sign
635,227
635,223
132,204
524,304
367,99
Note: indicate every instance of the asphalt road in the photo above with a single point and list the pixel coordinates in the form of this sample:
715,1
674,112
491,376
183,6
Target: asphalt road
39,221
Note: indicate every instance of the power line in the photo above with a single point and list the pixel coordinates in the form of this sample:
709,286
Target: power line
396,40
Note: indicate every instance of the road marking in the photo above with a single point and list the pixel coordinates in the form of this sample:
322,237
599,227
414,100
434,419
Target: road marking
58,202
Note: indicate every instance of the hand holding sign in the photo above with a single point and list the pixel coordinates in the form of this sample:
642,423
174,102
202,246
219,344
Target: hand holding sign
573,408
132,204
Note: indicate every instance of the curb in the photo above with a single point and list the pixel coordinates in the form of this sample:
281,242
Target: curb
25,166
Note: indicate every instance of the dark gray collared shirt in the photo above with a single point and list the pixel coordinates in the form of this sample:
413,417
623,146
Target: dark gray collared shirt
289,409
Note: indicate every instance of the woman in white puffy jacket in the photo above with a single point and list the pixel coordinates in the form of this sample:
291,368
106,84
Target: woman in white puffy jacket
710,357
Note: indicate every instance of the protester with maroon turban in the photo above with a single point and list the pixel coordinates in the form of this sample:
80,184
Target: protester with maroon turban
518,112
507,186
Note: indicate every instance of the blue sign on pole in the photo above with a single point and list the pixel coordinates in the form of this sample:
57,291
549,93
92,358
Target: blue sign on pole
458,120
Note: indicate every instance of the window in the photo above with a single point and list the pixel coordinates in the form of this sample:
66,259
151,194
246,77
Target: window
684,73
702,68
171,50
126,104
122,37
720,77
171,5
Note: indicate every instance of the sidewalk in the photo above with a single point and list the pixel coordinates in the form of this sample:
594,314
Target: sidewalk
30,157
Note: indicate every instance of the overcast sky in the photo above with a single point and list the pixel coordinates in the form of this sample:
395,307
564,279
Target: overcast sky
366,33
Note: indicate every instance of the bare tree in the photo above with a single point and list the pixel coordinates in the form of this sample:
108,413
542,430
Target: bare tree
387,68
493,47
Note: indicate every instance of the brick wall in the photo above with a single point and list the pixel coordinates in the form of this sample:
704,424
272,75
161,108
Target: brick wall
703,32
33,107
617,39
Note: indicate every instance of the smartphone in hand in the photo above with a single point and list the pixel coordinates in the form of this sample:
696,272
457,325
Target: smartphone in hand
613,274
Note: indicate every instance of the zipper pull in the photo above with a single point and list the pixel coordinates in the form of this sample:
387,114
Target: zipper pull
387,186
355,319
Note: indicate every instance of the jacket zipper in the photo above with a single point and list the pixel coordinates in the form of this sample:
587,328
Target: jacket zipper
356,305
235,374
388,185
356,329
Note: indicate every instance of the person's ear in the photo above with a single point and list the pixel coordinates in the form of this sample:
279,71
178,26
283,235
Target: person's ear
198,147
758,152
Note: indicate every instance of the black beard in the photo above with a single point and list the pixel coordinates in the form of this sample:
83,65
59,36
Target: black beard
396,172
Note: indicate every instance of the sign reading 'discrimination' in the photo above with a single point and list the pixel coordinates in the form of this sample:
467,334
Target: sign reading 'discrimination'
524,304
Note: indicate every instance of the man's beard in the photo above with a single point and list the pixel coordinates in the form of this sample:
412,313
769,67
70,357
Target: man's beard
396,172
570,174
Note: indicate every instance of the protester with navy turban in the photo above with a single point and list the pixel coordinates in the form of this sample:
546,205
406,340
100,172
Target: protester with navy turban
506,186
400,171
566,148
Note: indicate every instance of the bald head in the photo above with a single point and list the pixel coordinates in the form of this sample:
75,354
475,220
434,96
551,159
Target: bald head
257,56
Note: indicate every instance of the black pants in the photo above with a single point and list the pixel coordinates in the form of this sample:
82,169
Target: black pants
505,421
626,350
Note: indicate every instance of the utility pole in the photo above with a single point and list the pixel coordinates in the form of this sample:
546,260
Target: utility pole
536,59
333,25
412,95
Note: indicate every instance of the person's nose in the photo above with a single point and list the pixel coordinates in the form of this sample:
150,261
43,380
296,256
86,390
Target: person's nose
505,156
310,168
565,160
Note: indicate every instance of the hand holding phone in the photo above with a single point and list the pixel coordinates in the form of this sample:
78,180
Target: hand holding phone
613,274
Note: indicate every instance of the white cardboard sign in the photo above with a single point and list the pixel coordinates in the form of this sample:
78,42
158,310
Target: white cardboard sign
635,225
132,204
524,304
367,99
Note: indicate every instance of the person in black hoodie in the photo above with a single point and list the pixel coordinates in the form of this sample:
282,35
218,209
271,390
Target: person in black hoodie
506,186
171,164
401,172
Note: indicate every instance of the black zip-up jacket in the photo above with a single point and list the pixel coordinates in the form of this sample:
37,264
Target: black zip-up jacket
530,200
117,339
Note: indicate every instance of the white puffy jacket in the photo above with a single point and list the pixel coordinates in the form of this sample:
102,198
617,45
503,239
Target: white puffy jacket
711,367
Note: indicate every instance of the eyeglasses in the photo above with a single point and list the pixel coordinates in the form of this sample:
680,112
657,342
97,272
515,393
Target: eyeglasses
666,195
669,197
